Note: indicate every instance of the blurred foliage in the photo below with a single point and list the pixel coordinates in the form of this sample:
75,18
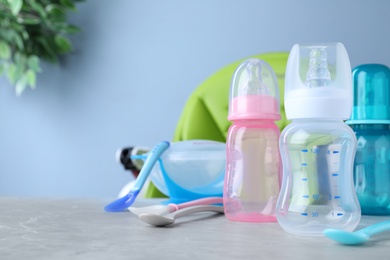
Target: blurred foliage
31,31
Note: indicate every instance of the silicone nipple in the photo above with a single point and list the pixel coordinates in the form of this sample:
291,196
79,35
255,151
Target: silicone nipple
254,92
318,77
254,84
318,74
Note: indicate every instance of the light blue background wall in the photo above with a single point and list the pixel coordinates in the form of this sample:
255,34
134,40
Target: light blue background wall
135,64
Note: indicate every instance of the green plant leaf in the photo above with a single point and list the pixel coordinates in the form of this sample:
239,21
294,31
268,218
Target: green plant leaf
55,11
15,6
12,73
33,63
63,43
20,61
28,20
31,78
18,40
38,8
25,35
31,31
7,35
2,68
70,29
50,53
5,50
68,4
20,86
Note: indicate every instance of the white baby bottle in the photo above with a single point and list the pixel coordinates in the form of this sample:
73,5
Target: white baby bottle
318,148
253,167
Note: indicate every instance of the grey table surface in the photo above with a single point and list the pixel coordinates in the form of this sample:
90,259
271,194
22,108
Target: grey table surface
32,228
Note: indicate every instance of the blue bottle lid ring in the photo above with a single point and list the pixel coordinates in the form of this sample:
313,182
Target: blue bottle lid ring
368,122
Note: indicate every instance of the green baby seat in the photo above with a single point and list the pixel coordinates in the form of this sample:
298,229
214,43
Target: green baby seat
205,114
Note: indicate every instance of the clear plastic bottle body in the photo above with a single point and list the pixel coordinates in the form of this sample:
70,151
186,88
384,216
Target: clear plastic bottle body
253,169
317,188
372,168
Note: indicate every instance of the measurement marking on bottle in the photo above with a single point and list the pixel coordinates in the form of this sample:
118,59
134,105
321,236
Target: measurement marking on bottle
337,197
304,179
304,150
303,164
340,214
336,151
335,174
305,196
304,214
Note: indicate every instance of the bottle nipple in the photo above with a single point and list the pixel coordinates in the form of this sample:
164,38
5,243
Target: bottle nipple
254,84
254,92
318,74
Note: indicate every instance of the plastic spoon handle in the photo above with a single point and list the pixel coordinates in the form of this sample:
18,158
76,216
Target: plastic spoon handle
126,201
165,209
159,221
195,209
204,201
152,158
376,228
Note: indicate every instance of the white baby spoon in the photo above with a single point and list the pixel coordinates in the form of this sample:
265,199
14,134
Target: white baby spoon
159,221
165,209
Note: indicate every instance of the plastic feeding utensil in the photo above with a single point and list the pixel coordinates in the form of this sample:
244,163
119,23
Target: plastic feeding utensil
126,201
190,170
159,221
357,237
166,209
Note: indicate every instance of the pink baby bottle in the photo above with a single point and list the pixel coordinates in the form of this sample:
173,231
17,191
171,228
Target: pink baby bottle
253,170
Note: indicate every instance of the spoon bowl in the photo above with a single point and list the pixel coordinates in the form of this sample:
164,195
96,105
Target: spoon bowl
357,237
156,220
345,237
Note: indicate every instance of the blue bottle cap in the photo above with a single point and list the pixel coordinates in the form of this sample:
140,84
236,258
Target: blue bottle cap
371,86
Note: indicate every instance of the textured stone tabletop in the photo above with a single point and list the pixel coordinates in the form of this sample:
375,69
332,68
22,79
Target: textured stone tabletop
80,229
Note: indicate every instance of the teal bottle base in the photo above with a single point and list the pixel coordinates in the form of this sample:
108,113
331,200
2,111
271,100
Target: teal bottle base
374,205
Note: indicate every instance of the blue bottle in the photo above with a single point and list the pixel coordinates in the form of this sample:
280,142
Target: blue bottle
370,121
